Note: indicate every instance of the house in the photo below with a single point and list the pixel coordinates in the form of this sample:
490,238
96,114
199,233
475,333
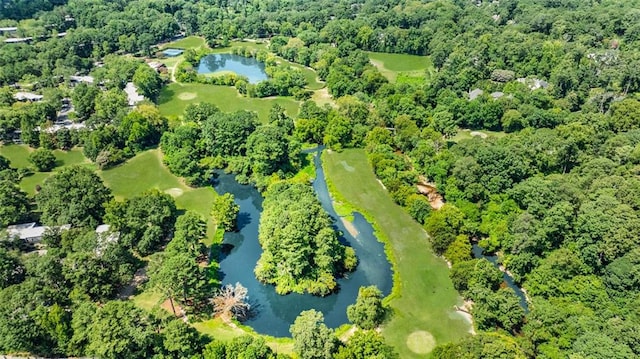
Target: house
30,232
132,94
27,96
533,83
496,95
75,80
474,94
104,237
18,40
8,30
158,66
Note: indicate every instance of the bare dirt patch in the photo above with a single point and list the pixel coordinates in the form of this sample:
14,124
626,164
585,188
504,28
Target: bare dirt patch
429,190
421,342
185,96
479,134
350,227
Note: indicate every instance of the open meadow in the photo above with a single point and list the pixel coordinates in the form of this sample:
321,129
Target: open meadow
423,297
401,67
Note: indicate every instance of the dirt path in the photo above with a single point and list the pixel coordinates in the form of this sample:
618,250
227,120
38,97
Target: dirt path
429,190
138,278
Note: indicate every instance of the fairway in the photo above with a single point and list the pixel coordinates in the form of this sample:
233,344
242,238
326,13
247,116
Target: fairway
176,96
146,171
392,65
423,297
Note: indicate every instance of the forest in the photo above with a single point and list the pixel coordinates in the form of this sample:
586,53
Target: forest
526,123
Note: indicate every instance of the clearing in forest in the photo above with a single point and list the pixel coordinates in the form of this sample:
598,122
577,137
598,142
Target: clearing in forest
393,66
424,304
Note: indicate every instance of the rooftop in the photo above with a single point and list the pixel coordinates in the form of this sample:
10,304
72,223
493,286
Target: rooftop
27,96
30,232
132,94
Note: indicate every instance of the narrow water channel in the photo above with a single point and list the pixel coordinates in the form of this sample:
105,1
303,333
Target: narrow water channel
478,252
275,313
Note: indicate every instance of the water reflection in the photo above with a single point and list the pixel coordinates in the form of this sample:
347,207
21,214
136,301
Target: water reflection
253,69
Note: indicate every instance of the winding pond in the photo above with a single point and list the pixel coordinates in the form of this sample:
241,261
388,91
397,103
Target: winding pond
478,252
253,69
274,313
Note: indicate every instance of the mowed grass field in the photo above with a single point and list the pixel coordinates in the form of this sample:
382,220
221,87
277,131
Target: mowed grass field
423,307
394,65
19,154
176,96
189,42
146,171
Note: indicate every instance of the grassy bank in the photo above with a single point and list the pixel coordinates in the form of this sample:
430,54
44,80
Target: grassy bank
423,296
176,96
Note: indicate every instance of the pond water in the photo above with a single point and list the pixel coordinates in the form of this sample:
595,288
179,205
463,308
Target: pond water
245,66
274,313
478,252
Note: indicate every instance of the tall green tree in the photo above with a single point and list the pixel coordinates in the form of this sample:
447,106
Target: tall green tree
225,212
14,204
42,159
144,222
120,330
311,337
148,82
75,195
367,312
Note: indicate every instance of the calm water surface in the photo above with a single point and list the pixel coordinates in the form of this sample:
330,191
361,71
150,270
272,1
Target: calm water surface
275,313
246,66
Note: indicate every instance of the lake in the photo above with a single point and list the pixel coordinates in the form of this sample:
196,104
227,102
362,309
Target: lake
274,313
245,66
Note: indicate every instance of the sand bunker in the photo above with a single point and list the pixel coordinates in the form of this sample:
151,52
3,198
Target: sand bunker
184,96
421,342
174,192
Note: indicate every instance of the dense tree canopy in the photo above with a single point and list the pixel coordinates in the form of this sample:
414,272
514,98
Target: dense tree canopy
301,251
75,196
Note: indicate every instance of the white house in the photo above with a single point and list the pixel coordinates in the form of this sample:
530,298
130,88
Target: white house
30,232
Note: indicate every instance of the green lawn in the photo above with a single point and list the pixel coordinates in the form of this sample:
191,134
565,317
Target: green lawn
176,96
189,42
393,65
18,155
146,171
423,297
